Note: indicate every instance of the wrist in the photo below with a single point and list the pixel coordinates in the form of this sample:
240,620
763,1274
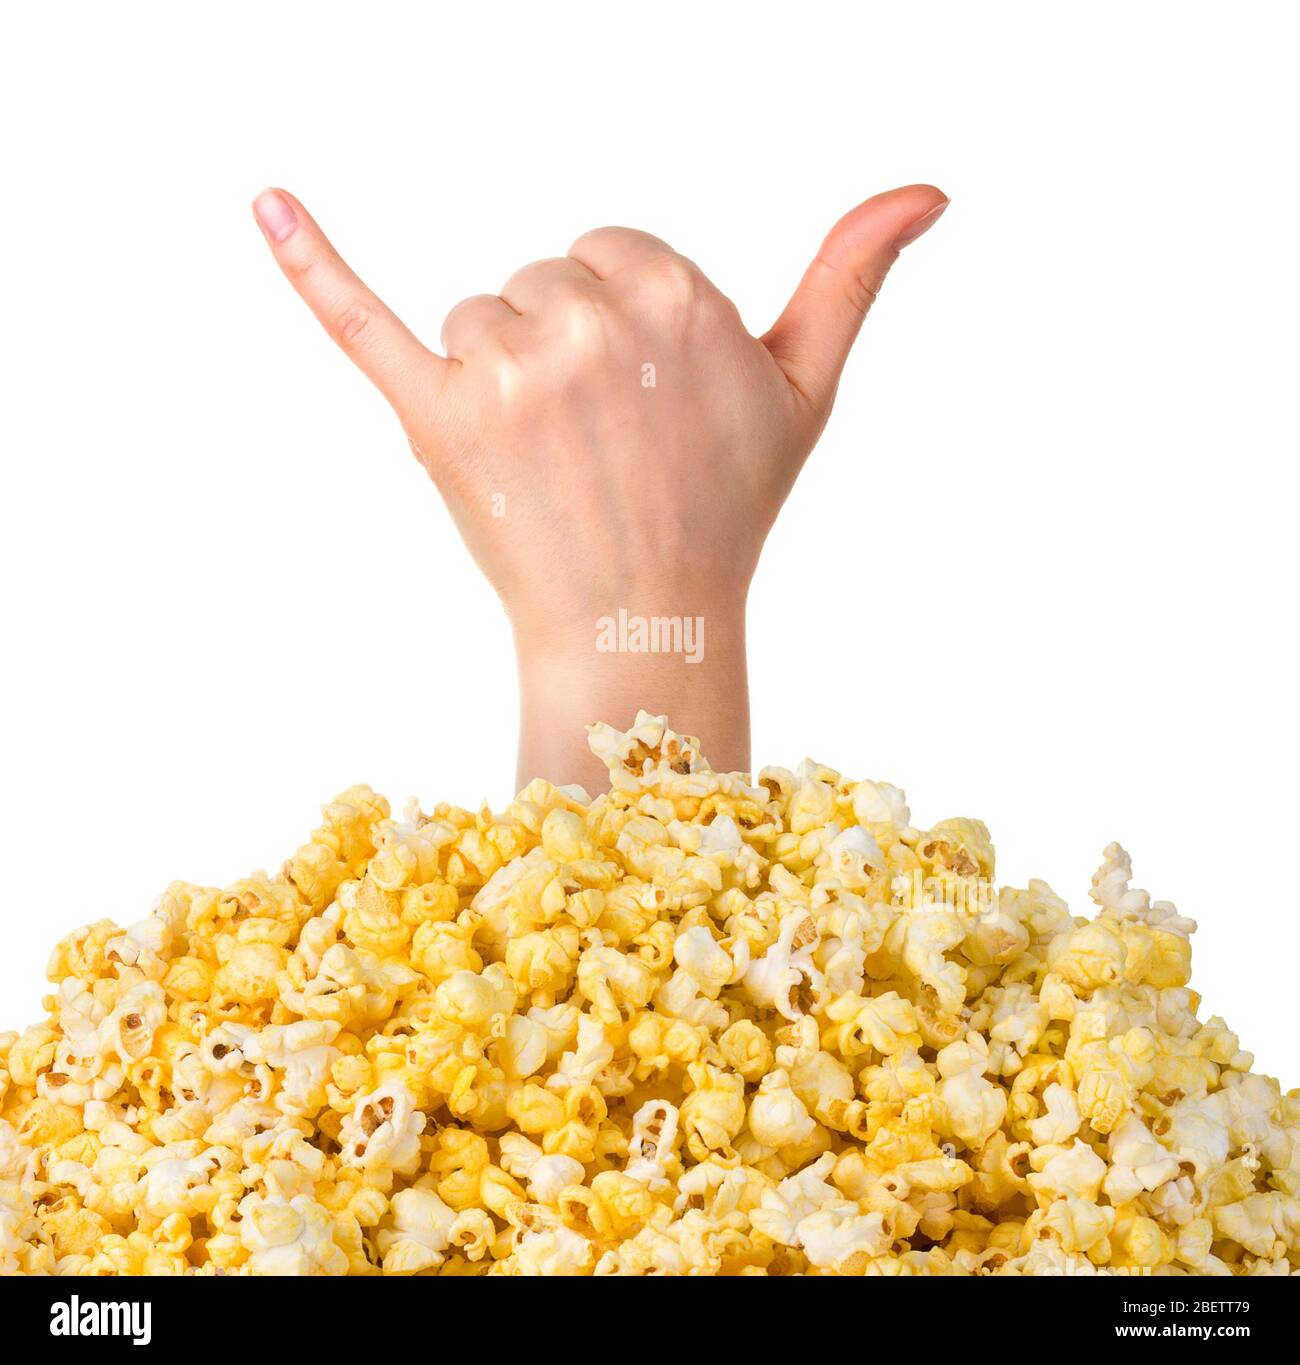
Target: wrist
687,663
647,614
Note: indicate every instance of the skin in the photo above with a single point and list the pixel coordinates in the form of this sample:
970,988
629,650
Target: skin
579,487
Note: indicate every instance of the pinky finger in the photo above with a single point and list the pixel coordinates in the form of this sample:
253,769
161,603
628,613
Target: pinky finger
404,370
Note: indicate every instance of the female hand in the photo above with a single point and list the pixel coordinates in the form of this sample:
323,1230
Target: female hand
609,438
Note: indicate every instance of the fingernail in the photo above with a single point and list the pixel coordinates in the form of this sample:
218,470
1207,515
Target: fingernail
275,215
923,224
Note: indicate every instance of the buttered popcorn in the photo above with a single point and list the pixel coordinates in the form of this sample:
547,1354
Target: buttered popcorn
698,1025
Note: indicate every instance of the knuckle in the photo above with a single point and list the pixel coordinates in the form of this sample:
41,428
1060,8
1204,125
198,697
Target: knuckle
534,273
671,288
519,392
352,325
678,276
600,236
858,290
615,243
459,309
456,314
582,320
300,269
472,319
861,293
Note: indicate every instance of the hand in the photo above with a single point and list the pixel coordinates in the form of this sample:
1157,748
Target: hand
608,437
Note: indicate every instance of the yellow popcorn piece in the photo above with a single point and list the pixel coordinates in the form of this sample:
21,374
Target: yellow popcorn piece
699,1024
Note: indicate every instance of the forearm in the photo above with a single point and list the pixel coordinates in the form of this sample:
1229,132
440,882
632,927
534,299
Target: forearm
690,667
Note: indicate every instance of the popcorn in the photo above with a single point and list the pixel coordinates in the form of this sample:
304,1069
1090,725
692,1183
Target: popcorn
697,1025
382,1134
972,1107
780,978
420,1232
1061,1119
1063,1172
704,960
650,1150
299,1056
777,1116
289,1237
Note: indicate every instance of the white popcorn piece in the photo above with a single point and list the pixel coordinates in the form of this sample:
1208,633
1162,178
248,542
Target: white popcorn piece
651,1148
382,1134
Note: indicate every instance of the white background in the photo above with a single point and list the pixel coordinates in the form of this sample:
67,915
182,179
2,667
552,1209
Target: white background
1041,569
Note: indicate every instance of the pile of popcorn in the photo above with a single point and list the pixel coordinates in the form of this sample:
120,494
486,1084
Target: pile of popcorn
694,1026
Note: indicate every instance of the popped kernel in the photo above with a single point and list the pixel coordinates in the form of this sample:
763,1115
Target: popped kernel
697,1025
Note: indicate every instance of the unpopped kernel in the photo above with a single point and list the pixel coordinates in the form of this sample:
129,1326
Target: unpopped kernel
698,1025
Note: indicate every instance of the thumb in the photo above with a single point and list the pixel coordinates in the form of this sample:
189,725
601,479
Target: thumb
812,338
